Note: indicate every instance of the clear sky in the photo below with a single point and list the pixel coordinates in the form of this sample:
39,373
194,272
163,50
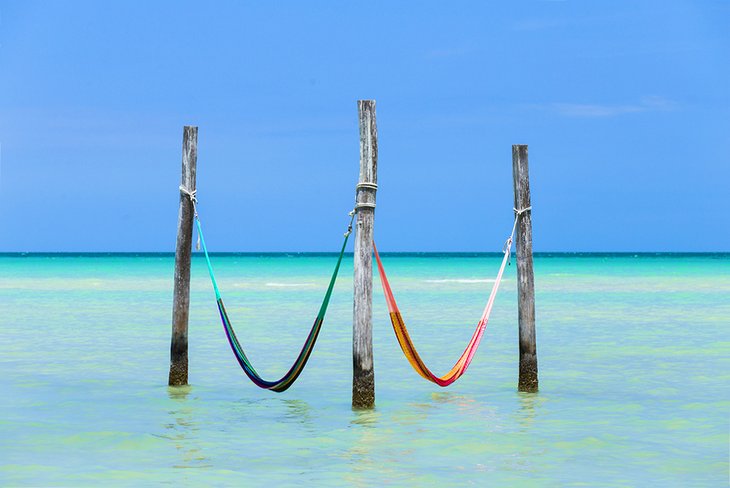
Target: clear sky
625,107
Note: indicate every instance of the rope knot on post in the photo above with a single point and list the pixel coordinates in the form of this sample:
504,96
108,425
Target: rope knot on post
368,185
364,205
508,244
190,194
194,201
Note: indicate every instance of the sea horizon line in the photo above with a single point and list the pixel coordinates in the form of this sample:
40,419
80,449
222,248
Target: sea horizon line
198,254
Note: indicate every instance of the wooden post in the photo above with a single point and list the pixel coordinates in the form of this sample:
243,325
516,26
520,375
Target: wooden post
183,251
363,374
525,276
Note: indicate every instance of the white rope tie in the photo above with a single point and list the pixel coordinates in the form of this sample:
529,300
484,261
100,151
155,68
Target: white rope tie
508,244
190,194
194,200
351,213
360,205
364,185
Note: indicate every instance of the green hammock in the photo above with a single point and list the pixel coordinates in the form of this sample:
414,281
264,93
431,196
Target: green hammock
288,379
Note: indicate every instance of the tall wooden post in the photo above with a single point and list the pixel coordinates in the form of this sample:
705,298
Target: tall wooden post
525,276
183,251
363,374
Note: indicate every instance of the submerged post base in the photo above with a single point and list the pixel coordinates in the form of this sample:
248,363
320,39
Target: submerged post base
528,374
363,390
179,369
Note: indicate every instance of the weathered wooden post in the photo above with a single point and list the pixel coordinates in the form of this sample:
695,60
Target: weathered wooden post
183,251
525,276
363,374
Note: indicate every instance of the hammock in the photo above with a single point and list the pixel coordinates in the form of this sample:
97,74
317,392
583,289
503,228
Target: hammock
290,377
404,339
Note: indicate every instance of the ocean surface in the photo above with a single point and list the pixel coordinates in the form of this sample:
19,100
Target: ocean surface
634,358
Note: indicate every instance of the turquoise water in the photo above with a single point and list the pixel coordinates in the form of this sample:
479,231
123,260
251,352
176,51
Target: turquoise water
634,375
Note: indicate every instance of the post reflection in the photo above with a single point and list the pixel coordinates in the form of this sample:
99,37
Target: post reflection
182,429
368,439
529,406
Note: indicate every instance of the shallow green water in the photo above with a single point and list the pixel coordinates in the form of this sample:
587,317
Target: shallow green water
634,375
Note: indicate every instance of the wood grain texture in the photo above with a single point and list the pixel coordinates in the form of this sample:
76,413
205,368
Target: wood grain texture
363,379
183,251
525,275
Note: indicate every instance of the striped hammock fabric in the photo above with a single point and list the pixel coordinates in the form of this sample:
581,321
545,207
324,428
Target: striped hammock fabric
404,339
290,377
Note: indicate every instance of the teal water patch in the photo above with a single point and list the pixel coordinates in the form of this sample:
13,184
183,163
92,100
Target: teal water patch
634,375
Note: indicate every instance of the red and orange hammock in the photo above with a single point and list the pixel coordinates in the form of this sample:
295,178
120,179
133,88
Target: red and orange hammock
404,339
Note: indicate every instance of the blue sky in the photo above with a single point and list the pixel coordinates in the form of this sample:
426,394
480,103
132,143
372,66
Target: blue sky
625,107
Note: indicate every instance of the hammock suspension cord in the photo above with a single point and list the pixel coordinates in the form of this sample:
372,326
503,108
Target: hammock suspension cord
290,377
404,339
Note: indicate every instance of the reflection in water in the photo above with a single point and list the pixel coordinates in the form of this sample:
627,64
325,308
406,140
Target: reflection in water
365,418
286,410
529,406
465,405
530,403
298,412
370,440
184,431
179,392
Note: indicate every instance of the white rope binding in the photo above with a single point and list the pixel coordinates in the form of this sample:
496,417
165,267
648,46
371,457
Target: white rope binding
365,185
360,205
194,200
508,244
